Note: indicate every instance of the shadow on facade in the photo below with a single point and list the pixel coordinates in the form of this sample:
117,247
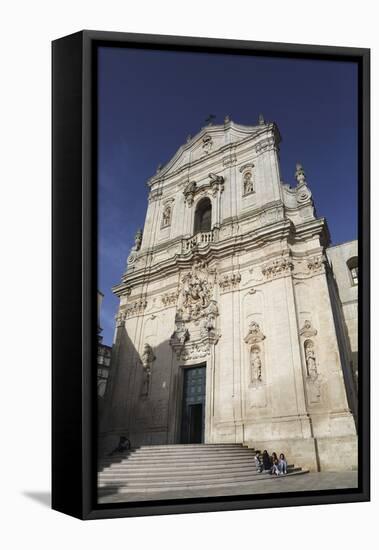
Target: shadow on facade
138,403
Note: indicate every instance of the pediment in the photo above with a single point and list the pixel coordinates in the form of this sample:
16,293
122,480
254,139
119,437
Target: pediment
209,140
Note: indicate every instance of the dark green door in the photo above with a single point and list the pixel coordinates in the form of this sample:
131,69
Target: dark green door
193,412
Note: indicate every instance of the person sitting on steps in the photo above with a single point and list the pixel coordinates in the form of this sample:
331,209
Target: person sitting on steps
123,445
275,464
282,464
266,461
258,462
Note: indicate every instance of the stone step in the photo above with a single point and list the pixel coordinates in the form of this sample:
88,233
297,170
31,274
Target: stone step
176,469
158,486
191,446
169,466
194,465
199,474
154,449
178,454
183,449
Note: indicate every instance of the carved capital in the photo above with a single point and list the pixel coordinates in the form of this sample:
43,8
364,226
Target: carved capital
229,282
277,268
136,308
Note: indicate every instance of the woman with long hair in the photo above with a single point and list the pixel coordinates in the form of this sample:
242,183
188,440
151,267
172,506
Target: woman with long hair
266,461
275,464
282,464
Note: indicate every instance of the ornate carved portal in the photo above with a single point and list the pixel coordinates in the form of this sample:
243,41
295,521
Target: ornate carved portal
196,315
195,292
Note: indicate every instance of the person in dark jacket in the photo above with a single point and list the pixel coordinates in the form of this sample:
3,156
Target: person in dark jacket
266,461
122,447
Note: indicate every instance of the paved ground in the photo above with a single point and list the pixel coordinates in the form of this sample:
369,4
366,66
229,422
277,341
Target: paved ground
305,482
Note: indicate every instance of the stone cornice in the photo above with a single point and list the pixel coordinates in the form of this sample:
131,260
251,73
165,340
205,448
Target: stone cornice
213,252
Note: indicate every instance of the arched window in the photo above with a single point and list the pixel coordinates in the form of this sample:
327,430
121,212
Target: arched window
352,265
203,216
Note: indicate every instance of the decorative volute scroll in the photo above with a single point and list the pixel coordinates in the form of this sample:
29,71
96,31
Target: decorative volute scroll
216,183
303,194
147,359
189,192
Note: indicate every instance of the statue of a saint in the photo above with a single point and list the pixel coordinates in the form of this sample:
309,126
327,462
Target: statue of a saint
166,216
247,183
310,359
256,365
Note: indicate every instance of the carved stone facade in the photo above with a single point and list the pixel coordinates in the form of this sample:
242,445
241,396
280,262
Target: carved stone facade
251,300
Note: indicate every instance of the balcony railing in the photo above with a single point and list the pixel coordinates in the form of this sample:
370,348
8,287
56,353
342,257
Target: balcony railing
200,239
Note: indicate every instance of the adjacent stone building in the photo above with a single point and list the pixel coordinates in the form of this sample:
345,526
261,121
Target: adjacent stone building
232,324
104,354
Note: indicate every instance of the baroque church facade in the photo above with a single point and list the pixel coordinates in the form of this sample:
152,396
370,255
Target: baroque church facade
230,327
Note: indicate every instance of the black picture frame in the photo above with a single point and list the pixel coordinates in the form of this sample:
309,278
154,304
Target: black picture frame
74,273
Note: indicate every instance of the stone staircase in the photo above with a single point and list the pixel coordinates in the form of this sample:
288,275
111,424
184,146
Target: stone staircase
157,468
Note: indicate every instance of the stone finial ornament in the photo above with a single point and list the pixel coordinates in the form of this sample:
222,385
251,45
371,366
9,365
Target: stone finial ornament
261,120
300,175
137,240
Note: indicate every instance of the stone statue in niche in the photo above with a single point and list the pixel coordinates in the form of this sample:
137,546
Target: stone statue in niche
181,334
148,358
208,328
166,218
255,364
248,186
254,336
310,359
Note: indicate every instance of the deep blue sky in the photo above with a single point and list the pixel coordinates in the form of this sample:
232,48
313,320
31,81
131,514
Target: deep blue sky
149,101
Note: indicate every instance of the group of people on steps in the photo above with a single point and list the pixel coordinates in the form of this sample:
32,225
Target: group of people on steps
272,464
